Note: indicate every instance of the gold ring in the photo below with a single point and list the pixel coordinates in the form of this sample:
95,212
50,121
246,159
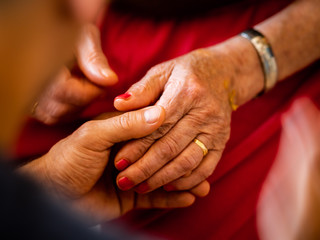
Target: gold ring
202,146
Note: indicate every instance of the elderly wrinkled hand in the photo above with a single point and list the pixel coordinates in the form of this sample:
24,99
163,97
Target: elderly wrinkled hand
70,93
77,167
193,89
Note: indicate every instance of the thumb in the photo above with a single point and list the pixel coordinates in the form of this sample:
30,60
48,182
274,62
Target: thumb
91,59
145,92
100,135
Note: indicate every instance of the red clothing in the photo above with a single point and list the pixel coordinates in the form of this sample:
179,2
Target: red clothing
134,44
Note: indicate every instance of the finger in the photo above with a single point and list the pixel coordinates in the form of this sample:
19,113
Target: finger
161,152
188,160
201,190
44,106
146,91
65,96
108,115
202,172
135,149
102,134
87,10
77,92
91,58
176,117
163,199
52,112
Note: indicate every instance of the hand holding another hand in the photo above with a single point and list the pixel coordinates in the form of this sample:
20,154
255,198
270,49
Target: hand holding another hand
77,167
193,90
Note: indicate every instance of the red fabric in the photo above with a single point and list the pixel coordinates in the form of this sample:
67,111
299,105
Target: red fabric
133,45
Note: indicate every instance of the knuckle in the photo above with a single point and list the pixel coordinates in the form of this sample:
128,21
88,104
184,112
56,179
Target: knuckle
223,125
142,146
220,141
195,90
216,135
135,150
158,181
145,170
209,112
188,163
146,87
220,112
161,131
168,149
223,117
84,130
204,174
166,176
56,109
125,121
142,87
217,138
155,69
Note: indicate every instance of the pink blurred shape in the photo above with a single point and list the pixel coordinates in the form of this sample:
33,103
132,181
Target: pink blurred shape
289,204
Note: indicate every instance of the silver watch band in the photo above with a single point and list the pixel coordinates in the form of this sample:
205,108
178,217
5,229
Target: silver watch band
267,59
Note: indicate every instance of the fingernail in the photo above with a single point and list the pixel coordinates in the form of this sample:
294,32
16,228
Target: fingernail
169,188
122,164
152,114
125,183
142,188
124,96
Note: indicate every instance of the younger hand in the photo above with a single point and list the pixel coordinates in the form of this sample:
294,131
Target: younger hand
77,167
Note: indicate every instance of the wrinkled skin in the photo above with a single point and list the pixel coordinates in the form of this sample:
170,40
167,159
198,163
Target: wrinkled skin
195,100
192,91
77,168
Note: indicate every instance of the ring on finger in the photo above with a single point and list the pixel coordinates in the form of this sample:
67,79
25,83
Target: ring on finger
202,146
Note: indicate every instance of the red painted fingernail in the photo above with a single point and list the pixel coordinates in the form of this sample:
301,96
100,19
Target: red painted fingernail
143,187
124,96
169,188
122,164
125,183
